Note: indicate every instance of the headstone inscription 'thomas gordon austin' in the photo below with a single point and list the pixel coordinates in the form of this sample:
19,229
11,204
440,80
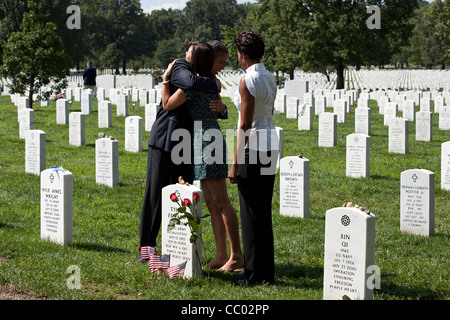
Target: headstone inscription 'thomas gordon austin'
417,202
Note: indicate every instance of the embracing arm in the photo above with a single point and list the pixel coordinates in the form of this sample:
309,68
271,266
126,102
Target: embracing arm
171,101
183,78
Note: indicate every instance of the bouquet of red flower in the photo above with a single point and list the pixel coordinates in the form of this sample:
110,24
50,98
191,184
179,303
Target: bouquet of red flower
187,215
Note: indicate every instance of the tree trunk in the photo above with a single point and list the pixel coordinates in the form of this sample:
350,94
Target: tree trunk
124,65
339,76
30,97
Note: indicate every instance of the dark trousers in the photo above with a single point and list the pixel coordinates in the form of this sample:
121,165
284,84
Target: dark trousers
255,199
161,172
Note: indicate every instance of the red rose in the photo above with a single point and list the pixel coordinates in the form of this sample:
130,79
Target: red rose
173,197
186,202
196,197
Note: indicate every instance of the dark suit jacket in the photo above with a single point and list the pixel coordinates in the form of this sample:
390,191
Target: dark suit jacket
89,76
168,121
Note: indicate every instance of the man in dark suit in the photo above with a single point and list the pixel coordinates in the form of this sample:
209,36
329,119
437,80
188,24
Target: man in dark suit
89,76
161,171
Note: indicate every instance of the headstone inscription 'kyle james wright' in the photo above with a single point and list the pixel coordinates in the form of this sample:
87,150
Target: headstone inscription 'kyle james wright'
57,206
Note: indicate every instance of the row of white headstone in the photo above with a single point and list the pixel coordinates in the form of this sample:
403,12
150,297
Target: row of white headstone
294,176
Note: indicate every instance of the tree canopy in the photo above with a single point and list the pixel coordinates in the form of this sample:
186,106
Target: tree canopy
313,35
34,56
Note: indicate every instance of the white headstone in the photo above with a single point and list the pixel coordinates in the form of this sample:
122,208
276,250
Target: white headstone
101,94
280,102
320,104
340,109
390,112
444,118
425,104
358,155
77,129
381,103
150,115
294,187
57,206
362,120
146,82
177,241
26,121
445,166
409,110
143,97
122,105
107,82
135,95
77,94
133,134
296,88
424,126
349,254
62,111
292,106
327,129
107,162
305,117
35,151
439,102
86,103
398,135
23,103
308,98
417,202
104,114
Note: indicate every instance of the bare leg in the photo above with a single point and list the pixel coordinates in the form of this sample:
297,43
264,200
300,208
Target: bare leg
217,193
218,230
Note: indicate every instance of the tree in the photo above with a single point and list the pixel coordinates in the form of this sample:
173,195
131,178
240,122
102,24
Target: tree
122,23
430,41
201,19
34,57
322,35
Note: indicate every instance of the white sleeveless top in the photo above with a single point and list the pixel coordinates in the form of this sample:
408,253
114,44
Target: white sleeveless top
262,86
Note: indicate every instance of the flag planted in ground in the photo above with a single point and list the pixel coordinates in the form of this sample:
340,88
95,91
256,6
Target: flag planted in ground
176,270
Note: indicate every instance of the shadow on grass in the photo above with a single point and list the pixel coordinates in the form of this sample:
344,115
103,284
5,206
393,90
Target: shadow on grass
97,247
390,290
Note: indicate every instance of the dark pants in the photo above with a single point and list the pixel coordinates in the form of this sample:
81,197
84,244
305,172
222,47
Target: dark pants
161,172
255,199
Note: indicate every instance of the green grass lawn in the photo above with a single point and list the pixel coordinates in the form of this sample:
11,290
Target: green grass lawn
106,221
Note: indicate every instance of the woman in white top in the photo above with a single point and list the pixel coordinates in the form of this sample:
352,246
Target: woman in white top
255,158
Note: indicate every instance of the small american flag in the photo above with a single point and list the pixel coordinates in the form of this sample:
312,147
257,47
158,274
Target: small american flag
146,252
176,270
157,262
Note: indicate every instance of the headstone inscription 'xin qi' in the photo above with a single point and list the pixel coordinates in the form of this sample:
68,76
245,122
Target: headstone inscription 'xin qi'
349,254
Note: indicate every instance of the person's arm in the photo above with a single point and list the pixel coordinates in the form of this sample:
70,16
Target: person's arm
183,78
171,101
247,112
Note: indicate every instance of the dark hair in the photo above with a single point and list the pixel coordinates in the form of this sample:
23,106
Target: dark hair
218,48
202,58
250,43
